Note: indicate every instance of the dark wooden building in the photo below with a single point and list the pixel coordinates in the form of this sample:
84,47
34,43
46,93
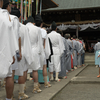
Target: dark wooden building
69,10
75,12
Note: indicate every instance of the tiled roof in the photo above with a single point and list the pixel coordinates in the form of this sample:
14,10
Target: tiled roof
75,4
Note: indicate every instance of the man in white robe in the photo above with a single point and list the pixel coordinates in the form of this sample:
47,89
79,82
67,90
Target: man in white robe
16,25
26,51
38,22
27,59
37,50
8,48
57,45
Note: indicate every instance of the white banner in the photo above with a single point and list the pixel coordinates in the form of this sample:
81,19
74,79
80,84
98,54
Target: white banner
82,27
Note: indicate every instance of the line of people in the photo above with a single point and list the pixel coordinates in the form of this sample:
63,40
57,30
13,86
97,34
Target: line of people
73,55
24,48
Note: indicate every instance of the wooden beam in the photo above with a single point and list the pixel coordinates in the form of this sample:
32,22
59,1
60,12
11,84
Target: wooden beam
76,23
54,3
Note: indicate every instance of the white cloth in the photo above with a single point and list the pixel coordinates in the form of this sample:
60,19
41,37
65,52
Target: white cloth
26,51
46,50
55,64
9,72
58,50
16,25
8,43
37,45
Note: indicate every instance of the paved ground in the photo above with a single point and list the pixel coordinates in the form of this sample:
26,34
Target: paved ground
47,93
84,86
79,92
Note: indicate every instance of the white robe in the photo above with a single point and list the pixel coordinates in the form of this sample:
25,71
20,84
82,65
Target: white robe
16,25
8,44
58,49
46,50
26,51
37,45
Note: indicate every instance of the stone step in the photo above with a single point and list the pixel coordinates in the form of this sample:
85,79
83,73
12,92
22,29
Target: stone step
89,53
92,64
89,57
89,60
84,80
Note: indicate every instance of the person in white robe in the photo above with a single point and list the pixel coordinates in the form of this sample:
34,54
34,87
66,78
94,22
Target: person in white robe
16,25
37,50
57,46
26,52
97,50
27,59
8,48
46,46
15,22
97,55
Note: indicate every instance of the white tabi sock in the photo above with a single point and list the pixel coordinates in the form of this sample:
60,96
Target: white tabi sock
21,88
56,76
51,76
8,99
25,84
45,80
35,84
28,76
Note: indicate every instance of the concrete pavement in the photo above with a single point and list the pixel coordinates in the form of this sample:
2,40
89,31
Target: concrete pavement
84,86
47,93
